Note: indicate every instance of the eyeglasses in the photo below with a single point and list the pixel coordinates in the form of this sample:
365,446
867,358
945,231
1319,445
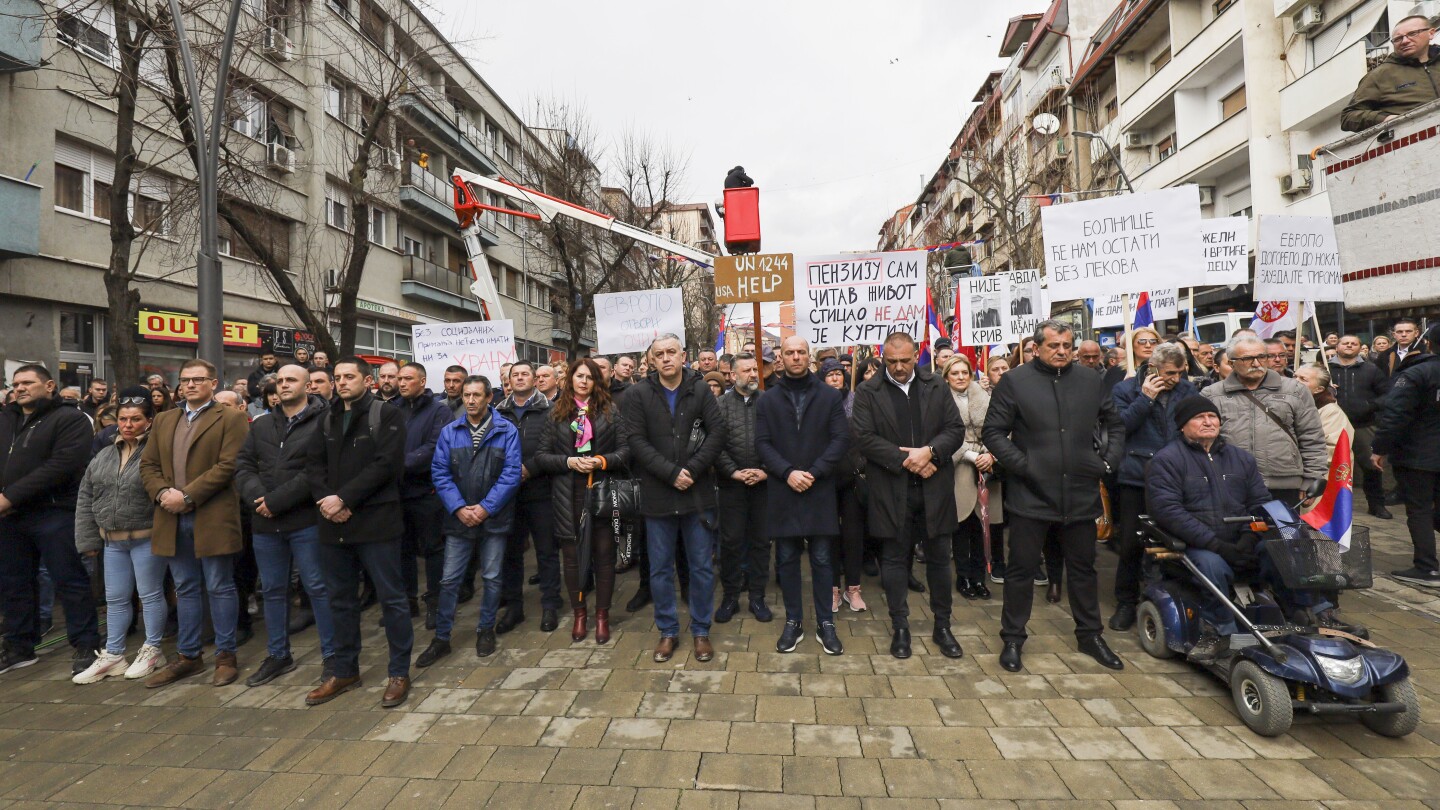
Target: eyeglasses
1399,38
134,400
1251,359
193,380
1146,342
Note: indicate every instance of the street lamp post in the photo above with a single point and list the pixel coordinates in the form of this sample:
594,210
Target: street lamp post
209,281
1115,156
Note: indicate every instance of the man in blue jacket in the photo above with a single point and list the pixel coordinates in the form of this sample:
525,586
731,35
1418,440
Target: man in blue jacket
476,469
424,418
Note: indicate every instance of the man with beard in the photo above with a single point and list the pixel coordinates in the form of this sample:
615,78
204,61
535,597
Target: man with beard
744,544
388,376
454,381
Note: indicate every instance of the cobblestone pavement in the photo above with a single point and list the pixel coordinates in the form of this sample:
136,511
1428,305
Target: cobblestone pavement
548,724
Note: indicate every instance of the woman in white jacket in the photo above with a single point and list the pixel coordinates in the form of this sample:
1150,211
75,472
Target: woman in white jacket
1332,419
971,460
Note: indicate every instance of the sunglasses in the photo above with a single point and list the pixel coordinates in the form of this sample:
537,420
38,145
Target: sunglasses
134,400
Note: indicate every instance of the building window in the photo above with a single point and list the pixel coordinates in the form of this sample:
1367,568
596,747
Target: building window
1166,146
149,214
378,337
1221,5
412,247
250,117
379,226
69,189
337,102
91,31
1232,103
1161,60
337,207
77,332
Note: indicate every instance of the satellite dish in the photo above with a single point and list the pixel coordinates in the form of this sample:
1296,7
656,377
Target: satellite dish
1046,124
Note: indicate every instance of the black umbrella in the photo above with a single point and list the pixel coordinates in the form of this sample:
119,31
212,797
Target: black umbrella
583,541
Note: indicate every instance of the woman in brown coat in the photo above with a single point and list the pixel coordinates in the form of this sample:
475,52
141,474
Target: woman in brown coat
971,460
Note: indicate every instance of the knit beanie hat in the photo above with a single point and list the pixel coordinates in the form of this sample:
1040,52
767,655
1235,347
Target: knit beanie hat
1191,407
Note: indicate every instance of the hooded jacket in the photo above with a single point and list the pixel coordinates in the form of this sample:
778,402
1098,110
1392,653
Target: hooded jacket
1396,86
1288,458
43,455
1408,427
488,476
660,445
271,465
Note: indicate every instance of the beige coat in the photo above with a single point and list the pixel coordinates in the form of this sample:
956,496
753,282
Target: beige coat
210,464
972,409
1334,420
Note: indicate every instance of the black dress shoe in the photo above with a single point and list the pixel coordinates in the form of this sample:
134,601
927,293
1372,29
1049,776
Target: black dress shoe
915,585
729,606
509,620
1381,512
534,579
1124,618
639,600
549,620
900,643
1096,648
1010,657
945,641
1052,593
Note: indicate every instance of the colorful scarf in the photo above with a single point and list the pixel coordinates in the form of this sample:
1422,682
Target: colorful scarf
584,434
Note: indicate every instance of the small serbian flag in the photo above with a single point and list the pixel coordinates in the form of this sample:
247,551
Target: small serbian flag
1143,314
1331,517
720,336
937,328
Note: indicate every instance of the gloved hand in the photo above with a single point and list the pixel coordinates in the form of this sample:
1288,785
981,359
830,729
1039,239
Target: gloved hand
1239,559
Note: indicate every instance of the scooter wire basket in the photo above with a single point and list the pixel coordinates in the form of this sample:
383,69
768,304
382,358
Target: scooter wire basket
1313,562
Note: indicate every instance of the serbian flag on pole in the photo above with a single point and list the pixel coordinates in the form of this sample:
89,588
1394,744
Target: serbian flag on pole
720,336
1331,517
937,329
1144,316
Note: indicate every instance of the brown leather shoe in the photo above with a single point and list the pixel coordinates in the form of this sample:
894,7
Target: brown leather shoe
703,651
227,669
665,649
602,626
181,667
332,688
396,691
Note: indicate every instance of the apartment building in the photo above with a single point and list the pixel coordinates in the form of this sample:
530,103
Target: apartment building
307,79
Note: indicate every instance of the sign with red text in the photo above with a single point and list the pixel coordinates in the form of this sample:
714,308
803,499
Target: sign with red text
480,347
860,298
1124,244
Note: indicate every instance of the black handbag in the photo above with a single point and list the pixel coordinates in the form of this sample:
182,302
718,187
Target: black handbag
616,498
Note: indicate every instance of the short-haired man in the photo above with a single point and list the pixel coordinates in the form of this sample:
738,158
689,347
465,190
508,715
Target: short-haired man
625,369
95,397
268,365
744,539
44,449
388,377
354,474
546,381
529,410
188,469
421,538
676,433
708,361
233,400
1277,358
1042,426
1407,436
477,474
1359,386
1406,333
1090,355
1401,82
908,430
320,360
454,381
155,381
322,384
270,475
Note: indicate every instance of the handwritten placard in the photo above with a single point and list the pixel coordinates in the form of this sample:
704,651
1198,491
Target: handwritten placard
1123,244
982,309
1029,303
859,298
481,347
1226,246
1110,310
1297,260
628,322
756,277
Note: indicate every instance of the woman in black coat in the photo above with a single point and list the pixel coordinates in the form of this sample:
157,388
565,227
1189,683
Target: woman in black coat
582,442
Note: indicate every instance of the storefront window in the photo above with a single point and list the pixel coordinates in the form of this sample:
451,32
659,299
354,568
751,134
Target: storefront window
77,332
378,337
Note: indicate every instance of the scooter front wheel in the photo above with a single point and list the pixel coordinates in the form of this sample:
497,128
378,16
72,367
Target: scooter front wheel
1394,725
1150,628
1262,699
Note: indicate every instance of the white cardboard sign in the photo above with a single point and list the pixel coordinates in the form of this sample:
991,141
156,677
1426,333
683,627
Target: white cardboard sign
859,298
1298,259
1109,311
482,347
982,312
1029,303
1123,244
628,322
1226,246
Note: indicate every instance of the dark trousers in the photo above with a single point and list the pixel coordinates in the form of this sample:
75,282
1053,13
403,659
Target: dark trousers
1372,480
1126,504
787,563
535,518
381,563
422,538
602,555
247,571
968,547
1420,490
852,534
895,556
1077,544
744,548
26,539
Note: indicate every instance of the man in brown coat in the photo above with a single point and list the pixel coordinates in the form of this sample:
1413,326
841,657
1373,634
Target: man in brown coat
188,468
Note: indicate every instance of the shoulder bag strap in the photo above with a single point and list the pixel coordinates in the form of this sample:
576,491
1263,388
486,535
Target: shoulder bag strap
1254,400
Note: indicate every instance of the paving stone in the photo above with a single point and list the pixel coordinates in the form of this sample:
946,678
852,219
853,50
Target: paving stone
697,735
665,769
411,760
1019,713
813,776
668,705
1154,781
1092,780
1097,743
886,742
515,730
574,732
761,738
1222,780
834,741
518,764
1017,780
726,707
961,743
740,772
583,766
1159,743
635,732
1028,743
927,779
784,709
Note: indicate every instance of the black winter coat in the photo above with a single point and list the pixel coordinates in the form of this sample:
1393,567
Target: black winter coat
1044,425
877,430
532,428
424,419
1358,389
739,452
43,456
800,425
1191,492
364,470
253,381
271,465
660,443
1408,427
557,446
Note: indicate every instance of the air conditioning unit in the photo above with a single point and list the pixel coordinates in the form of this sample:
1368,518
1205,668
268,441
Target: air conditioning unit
1295,182
1207,195
277,46
1137,140
1308,18
280,158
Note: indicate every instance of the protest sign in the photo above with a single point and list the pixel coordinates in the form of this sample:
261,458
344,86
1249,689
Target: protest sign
1110,310
859,298
981,311
754,278
1029,303
1298,260
482,347
627,322
1226,249
1123,244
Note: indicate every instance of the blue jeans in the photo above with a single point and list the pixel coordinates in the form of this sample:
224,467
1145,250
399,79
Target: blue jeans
457,560
341,565
1215,569
128,564
661,537
273,552
217,574
787,562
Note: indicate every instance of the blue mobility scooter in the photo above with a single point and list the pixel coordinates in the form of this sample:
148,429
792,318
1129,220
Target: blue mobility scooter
1276,666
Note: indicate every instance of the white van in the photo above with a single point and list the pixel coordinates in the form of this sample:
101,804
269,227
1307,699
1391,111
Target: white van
1217,329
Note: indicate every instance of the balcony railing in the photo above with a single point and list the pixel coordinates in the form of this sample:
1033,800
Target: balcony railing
433,275
428,183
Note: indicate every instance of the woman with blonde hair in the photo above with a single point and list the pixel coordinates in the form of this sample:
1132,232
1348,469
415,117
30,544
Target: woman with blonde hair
971,460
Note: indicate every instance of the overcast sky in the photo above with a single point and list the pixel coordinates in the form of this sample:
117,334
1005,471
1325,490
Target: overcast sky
837,109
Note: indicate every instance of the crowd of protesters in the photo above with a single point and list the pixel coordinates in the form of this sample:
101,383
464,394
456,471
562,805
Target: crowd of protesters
316,489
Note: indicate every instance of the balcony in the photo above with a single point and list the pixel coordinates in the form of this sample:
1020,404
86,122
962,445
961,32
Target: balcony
1050,84
1324,91
1221,141
560,331
21,24
1206,46
437,284
424,194
20,227
446,128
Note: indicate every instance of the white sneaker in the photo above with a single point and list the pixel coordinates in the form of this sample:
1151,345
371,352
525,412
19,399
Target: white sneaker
105,666
147,661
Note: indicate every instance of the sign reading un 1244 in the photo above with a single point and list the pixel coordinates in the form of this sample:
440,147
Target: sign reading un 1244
754,278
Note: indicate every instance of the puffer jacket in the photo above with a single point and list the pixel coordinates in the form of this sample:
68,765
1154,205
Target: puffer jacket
739,452
1149,426
1408,428
531,424
1290,458
660,443
1190,492
489,476
1358,388
271,465
1396,86
111,498
557,447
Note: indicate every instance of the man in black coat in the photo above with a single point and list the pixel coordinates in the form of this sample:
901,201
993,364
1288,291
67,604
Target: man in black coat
44,449
675,434
744,538
422,537
802,436
1359,385
354,476
529,410
908,428
1407,436
1055,431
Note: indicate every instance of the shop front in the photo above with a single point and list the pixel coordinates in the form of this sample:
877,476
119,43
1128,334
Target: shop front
167,339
